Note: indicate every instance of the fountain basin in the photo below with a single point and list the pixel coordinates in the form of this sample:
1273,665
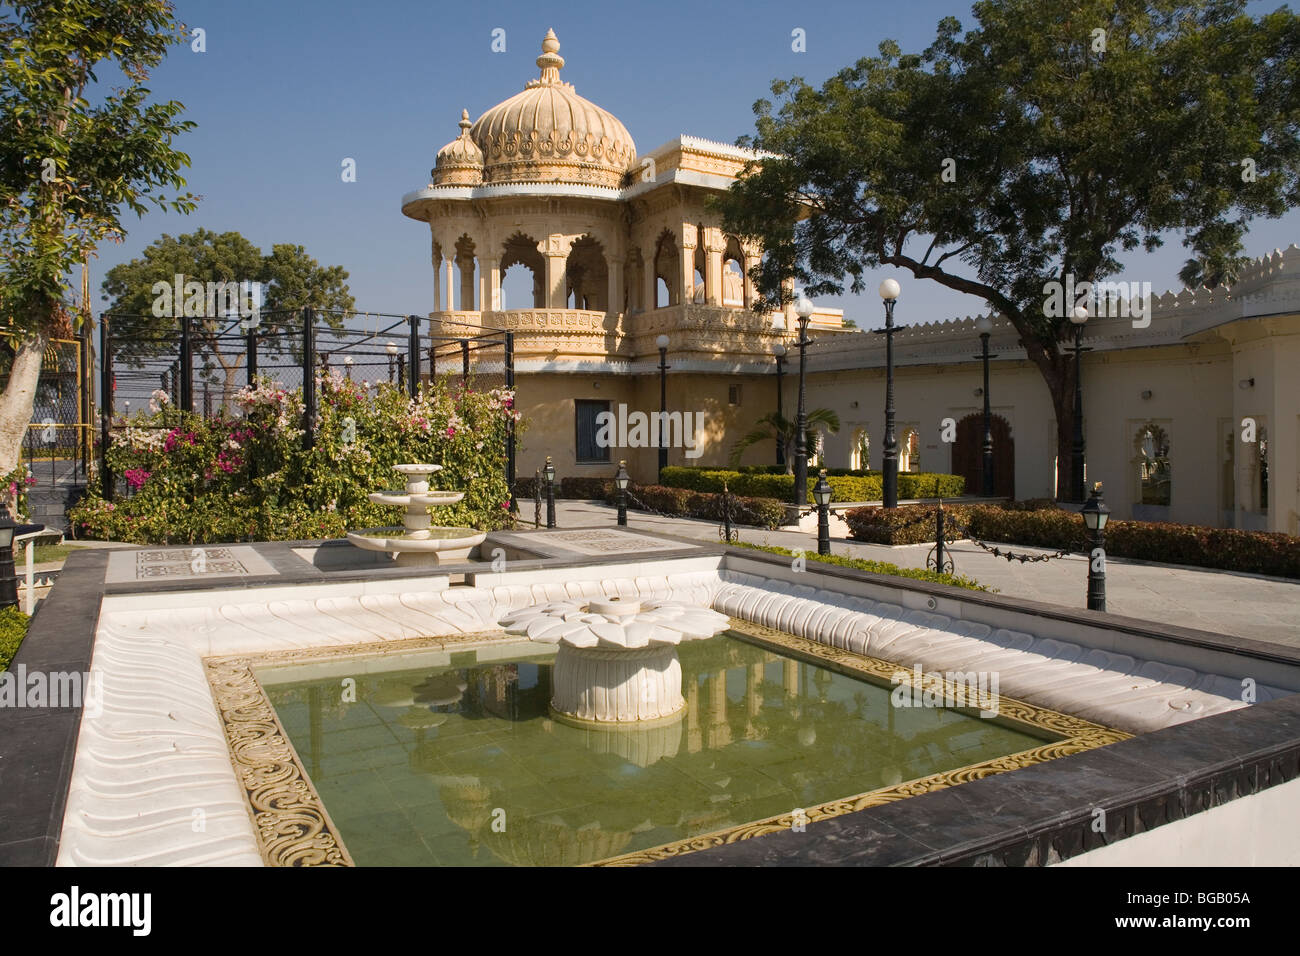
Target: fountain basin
427,546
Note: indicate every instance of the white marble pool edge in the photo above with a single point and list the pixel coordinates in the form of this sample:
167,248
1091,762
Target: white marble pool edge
153,784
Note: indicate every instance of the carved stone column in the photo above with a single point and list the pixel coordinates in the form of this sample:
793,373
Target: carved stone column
689,238
614,297
449,284
466,267
489,283
715,245
555,253
650,281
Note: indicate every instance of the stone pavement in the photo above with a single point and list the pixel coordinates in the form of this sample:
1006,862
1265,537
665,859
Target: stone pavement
1242,605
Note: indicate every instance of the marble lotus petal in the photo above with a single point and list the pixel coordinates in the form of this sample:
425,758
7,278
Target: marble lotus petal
568,622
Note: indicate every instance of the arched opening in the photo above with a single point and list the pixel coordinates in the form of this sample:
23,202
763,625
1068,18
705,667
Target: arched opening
522,274
909,450
968,455
860,450
666,265
586,276
733,275
1155,477
467,271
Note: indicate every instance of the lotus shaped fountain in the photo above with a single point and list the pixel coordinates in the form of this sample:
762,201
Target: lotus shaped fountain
617,659
418,541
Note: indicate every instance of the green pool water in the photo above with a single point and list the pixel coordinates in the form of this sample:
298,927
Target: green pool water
452,759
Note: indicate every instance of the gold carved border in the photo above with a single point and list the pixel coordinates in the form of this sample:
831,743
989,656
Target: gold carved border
294,829
292,825
1077,736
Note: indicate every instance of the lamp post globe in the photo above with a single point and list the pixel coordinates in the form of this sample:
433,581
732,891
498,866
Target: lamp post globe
822,497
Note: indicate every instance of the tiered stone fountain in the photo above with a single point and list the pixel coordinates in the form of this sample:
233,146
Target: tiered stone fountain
418,541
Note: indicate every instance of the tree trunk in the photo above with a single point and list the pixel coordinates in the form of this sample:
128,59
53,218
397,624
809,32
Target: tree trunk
1057,370
17,401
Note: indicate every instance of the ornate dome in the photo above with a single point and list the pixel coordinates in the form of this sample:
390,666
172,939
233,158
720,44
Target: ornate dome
460,162
548,133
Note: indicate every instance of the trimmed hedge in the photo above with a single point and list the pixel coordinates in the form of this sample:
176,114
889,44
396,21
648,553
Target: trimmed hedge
1031,523
876,567
682,502
571,487
13,628
852,487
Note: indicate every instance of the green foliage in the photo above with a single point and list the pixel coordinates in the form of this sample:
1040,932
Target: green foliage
876,567
681,502
774,427
13,628
1042,524
68,168
230,479
857,486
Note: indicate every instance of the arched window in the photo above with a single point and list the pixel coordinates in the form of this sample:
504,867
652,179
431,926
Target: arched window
860,451
667,269
1154,475
522,274
909,451
587,276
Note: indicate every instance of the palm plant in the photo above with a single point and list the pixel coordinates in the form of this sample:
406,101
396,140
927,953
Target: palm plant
776,427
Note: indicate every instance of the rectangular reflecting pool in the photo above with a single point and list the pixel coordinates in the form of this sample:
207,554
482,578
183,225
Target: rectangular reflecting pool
453,758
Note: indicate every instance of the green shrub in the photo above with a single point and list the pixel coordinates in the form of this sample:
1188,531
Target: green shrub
876,567
197,480
682,502
1042,525
13,628
856,486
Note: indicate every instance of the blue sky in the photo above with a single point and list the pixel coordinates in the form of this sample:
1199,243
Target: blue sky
286,90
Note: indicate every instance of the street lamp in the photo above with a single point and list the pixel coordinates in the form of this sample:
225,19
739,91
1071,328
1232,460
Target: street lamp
621,480
1078,317
347,361
779,351
803,308
1095,513
549,472
984,325
661,343
8,579
391,349
822,495
889,291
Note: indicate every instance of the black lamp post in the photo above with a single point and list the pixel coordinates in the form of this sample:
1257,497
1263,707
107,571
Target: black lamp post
1095,514
822,495
889,291
8,579
803,308
549,472
621,480
1079,316
661,343
984,325
779,351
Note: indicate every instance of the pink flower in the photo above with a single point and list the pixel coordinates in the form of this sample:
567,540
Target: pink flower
136,477
505,505
451,432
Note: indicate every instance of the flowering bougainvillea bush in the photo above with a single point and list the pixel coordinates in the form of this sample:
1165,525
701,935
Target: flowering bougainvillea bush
245,475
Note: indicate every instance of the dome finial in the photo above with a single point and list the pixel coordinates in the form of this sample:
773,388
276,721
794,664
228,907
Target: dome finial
464,124
550,61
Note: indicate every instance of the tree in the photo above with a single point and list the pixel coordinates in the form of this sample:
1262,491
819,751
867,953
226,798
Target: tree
68,169
290,280
1217,261
777,428
1033,148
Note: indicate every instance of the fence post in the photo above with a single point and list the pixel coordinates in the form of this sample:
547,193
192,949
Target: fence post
464,360
251,349
938,539
105,404
510,423
308,378
413,356
726,511
537,498
187,366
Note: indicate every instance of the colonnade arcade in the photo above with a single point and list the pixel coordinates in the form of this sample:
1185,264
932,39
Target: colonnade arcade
693,264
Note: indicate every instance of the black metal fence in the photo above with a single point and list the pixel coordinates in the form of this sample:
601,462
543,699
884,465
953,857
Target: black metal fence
200,364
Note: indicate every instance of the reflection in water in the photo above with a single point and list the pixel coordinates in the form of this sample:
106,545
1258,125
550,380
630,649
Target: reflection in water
437,766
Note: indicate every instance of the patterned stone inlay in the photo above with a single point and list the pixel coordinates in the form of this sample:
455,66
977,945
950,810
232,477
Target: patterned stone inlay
186,562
